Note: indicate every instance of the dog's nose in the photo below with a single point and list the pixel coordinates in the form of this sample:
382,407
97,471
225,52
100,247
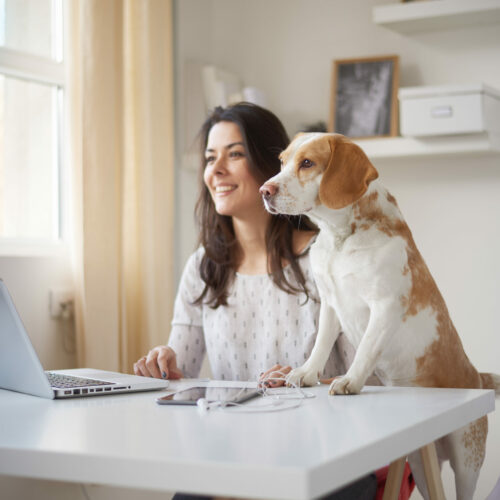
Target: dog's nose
268,190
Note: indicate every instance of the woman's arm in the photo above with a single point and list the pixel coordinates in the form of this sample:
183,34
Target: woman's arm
188,342
184,353
182,357
160,362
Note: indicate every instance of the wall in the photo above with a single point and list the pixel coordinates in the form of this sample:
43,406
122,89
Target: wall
29,280
285,47
193,43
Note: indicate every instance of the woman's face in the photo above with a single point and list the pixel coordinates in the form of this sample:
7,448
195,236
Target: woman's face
227,175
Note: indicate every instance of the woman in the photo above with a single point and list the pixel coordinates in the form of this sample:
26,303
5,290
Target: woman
246,296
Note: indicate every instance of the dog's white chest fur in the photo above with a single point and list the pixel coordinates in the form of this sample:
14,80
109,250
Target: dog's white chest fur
333,264
347,272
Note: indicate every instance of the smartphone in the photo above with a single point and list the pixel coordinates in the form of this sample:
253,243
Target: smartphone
223,395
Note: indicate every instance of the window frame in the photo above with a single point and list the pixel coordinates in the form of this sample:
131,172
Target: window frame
46,71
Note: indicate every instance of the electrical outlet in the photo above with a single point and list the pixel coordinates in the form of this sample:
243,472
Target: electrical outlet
61,303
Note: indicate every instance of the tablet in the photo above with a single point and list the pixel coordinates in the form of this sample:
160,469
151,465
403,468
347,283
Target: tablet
223,395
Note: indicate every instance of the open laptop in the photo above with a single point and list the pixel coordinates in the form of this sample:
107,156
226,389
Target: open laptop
21,370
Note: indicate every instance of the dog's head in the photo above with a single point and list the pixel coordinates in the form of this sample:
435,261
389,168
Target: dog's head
318,169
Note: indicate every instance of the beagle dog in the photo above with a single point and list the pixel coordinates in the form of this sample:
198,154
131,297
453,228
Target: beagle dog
370,275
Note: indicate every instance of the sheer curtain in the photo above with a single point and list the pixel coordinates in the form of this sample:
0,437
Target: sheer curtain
120,89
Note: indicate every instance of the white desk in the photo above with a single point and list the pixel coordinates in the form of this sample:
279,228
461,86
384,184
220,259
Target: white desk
302,453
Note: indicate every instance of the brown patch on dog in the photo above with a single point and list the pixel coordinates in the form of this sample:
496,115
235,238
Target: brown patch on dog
391,199
444,363
348,173
368,208
306,175
474,440
367,205
284,157
424,292
316,151
487,381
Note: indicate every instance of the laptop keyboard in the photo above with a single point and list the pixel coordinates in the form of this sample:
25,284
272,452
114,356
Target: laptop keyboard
67,381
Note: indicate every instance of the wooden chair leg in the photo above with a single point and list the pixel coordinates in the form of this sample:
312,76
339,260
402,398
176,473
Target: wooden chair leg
394,477
432,472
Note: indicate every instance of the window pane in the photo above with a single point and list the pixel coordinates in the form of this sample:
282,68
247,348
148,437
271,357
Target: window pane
29,26
29,185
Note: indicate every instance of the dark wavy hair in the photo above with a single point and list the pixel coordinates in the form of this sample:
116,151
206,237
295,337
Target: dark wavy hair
264,137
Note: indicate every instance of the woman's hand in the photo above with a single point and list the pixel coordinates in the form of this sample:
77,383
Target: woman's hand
275,376
160,362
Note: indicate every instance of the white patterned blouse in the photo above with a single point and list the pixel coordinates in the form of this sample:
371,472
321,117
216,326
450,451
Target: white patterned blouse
261,326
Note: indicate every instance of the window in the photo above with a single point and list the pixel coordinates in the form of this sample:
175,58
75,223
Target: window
31,111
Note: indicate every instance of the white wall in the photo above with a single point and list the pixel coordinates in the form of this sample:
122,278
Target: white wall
29,280
193,42
285,47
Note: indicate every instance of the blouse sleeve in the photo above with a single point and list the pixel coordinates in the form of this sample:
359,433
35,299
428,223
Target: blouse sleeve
187,335
189,346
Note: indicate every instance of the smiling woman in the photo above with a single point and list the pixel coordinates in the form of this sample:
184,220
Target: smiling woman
234,190
240,150
246,297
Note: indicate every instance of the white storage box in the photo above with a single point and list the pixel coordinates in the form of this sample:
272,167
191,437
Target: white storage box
450,109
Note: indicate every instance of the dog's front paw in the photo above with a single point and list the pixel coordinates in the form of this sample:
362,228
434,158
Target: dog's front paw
344,385
302,376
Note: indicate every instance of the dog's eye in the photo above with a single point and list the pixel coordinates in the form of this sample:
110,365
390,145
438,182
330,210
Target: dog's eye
306,163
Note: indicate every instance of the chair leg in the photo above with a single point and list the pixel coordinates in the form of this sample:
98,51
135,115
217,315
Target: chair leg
432,472
394,477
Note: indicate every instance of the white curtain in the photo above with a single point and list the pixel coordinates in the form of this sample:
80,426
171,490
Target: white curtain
120,74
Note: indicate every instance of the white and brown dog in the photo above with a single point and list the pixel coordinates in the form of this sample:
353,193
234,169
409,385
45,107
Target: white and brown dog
368,270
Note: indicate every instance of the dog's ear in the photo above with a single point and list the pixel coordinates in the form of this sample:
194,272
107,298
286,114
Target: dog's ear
348,174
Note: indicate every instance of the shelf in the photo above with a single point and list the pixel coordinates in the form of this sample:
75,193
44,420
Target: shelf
388,148
431,147
434,15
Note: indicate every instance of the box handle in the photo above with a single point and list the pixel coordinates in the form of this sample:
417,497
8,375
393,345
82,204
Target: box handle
441,111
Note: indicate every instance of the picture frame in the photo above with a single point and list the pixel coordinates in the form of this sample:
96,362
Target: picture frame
364,102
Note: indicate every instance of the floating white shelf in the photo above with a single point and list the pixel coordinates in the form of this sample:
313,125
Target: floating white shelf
452,145
433,15
389,148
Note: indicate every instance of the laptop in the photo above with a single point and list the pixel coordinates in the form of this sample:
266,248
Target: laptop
21,370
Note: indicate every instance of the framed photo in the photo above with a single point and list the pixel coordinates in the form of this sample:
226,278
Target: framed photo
364,98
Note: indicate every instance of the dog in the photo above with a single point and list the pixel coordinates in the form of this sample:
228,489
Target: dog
369,272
